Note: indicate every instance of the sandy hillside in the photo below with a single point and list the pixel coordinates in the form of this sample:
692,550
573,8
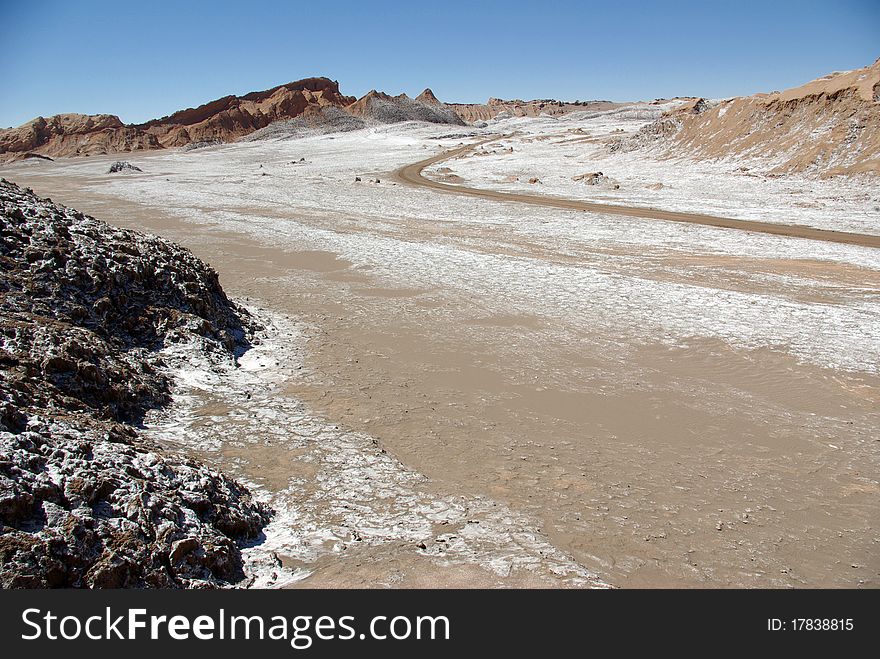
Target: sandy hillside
829,126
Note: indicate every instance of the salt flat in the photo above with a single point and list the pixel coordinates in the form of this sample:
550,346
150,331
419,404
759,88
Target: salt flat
607,399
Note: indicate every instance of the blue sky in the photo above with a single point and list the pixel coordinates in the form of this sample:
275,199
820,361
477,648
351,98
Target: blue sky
142,60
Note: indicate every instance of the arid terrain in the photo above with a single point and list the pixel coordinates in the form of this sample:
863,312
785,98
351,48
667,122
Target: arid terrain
557,346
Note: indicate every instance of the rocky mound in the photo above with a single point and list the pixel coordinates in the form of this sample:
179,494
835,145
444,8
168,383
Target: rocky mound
84,500
827,127
382,108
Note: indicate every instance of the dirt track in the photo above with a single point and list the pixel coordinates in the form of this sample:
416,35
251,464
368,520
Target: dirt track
412,174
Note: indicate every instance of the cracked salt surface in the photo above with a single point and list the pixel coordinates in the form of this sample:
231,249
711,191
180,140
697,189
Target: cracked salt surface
345,492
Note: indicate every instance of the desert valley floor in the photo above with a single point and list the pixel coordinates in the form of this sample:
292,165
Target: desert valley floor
458,391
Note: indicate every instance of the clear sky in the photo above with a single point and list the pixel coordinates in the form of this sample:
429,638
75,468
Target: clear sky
142,60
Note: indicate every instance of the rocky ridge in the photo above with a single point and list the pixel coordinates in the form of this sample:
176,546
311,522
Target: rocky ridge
85,501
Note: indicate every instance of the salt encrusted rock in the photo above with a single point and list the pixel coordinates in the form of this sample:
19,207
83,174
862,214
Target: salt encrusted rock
84,500
596,178
591,178
121,166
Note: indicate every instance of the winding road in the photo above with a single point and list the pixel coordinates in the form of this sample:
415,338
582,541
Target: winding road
412,175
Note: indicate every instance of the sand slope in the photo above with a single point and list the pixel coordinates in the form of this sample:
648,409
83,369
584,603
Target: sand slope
829,126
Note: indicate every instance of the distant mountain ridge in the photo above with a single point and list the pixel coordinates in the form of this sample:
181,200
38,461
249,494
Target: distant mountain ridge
829,126
225,119
494,107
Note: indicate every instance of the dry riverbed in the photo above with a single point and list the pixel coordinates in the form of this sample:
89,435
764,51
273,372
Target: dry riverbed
461,392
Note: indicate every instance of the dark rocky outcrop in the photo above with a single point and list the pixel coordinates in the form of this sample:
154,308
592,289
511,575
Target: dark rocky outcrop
84,499
123,166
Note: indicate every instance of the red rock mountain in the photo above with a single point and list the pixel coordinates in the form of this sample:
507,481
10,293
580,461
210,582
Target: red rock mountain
74,134
225,119
231,117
